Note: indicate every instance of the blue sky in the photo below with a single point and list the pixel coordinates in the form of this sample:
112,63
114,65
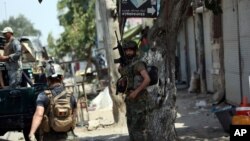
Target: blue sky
43,16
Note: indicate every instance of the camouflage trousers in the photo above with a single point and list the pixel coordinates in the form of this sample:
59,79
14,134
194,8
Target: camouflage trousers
15,77
137,118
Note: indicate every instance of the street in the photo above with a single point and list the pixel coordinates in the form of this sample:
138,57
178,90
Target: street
195,122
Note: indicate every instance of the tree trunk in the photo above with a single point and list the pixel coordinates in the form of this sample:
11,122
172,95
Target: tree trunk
163,37
110,25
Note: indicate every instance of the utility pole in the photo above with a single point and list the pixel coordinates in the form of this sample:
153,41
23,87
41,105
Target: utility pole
107,24
107,27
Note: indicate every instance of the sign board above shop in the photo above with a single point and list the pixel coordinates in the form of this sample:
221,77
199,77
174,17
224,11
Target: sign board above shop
139,8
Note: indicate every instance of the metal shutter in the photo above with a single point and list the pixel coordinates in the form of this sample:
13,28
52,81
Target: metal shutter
244,22
231,49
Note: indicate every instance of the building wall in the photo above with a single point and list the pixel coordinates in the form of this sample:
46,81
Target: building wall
212,49
244,33
181,53
192,52
231,52
207,28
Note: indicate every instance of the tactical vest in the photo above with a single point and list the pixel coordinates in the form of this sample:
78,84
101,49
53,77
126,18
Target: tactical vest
131,75
8,48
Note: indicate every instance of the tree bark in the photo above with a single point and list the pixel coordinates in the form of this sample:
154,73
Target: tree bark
163,39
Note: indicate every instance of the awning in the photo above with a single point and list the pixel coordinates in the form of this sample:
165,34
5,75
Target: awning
27,53
131,33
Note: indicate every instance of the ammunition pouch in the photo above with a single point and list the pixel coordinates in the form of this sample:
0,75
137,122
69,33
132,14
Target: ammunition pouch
121,85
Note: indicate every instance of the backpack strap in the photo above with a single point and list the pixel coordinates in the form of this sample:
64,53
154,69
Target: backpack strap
49,95
64,92
47,92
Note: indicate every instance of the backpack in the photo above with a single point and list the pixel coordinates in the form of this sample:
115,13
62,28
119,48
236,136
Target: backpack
153,74
58,115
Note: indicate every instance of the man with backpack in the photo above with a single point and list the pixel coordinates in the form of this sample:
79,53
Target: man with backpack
136,80
55,114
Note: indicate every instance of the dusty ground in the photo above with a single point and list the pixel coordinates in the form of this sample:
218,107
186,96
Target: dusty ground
195,122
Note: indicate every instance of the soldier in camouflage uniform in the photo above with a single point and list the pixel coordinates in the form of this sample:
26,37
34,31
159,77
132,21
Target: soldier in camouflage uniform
136,93
12,53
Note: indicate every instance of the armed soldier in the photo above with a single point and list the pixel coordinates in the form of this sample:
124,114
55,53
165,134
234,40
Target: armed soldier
12,53
133,82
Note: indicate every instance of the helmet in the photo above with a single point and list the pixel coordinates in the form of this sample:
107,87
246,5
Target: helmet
53,70
7,29
130,44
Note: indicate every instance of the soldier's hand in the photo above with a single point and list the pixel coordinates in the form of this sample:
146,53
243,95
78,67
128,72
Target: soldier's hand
132,95
32,137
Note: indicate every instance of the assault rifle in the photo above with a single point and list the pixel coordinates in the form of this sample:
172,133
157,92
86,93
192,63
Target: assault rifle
122,60
121,84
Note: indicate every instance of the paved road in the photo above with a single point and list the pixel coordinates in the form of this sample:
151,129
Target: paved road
17,136
195,122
